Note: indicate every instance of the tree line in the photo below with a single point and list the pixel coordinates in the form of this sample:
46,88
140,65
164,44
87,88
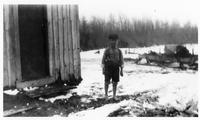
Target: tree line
134,32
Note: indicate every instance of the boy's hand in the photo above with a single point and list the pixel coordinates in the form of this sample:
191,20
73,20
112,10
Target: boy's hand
103,69
121,72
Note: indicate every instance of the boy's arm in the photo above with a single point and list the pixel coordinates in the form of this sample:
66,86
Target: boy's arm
103,62
121,71
103,59
122,63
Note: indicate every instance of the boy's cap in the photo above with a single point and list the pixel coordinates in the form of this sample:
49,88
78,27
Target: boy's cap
113,37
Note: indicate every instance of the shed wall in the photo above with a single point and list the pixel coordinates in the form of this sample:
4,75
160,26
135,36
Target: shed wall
63,45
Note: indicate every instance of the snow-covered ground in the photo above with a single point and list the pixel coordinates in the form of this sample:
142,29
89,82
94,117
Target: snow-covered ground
175,88
170,87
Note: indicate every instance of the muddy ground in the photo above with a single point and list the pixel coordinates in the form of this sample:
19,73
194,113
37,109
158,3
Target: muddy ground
75,104
143,91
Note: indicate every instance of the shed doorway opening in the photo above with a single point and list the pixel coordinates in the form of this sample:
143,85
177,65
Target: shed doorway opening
33,41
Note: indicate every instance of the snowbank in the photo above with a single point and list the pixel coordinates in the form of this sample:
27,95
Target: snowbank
103,111
11,92
175,88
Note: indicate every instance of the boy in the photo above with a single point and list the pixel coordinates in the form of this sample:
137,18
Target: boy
112,62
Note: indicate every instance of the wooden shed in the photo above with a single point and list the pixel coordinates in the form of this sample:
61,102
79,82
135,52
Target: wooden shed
41,45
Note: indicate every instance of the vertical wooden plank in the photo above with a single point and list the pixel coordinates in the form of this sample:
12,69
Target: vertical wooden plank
74,39
17,56
50,40
72,16
78,42
56,39
70,42
61,37
10,47
5,46
66,47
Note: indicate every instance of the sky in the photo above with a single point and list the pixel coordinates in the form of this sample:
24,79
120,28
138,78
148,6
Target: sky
181,11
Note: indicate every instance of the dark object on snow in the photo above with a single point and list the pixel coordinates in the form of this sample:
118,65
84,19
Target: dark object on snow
182,52
152,53
119,112
177,50
183,56
173,54
97,52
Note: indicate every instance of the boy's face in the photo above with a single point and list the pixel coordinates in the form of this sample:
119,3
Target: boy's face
113,43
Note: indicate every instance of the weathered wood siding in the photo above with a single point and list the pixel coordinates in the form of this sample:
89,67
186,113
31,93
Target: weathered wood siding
63,45
12,65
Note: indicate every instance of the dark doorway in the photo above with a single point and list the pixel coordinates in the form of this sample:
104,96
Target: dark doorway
33,41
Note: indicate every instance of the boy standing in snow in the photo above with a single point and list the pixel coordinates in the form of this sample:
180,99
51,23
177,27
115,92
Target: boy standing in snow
112,64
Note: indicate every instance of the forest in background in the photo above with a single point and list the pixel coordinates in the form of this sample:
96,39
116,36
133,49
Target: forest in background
134,33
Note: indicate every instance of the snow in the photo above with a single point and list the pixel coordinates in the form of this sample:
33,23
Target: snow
30,88
174,87
56,116
67,96
192,48
11,92
179,91
142,61
102,111
135,52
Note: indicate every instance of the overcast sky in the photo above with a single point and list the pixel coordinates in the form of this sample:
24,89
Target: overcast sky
180,11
